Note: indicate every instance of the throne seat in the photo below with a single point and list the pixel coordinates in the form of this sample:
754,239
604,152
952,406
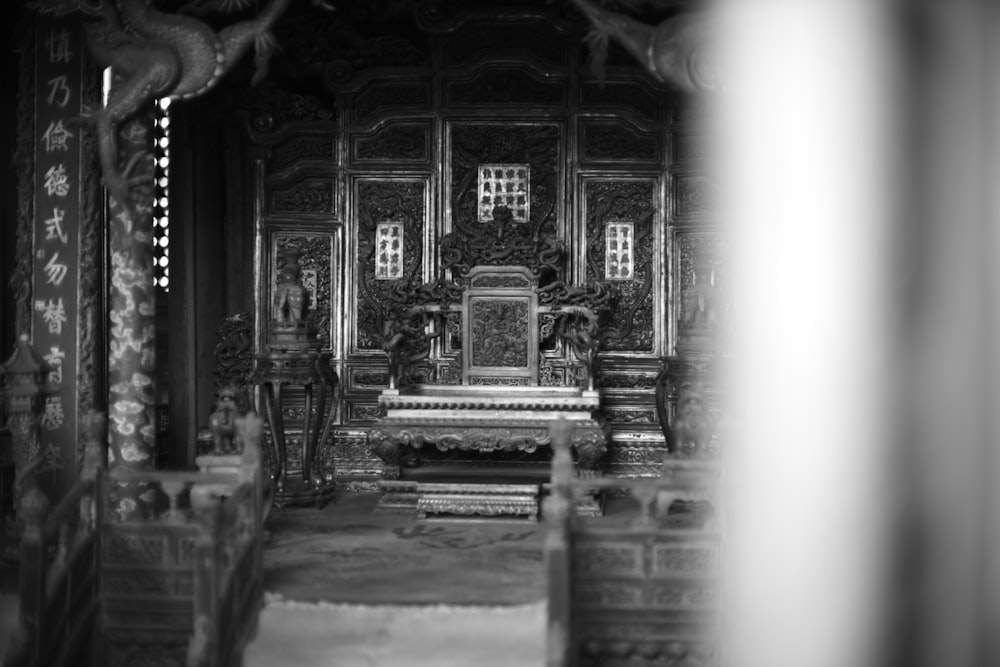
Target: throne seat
500,414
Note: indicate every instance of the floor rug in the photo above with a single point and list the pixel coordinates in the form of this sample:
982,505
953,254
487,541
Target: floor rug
296,634
346,552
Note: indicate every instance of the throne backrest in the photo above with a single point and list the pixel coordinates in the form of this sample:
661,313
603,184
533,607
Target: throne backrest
500,326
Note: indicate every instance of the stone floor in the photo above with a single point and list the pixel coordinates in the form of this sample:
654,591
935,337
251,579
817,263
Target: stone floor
347,552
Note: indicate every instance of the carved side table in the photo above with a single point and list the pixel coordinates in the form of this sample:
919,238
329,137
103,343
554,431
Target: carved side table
309,369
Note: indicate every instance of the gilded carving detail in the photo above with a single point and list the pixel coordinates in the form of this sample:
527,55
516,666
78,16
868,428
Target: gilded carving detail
312,195
406,142
504,382
594,594
269,108
626,381
619,94
607,560
631,416
361,412
145,583
619,453
630,321
134,550
369,379
685,560
606,141
500,333
504,85
378,96
297,149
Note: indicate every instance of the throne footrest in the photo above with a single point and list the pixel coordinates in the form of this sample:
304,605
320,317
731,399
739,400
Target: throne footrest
436,500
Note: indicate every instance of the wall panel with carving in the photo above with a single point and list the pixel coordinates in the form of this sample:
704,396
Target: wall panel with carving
378,200
537,144
636,297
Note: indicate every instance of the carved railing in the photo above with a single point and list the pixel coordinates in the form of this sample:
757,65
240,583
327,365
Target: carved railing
156,567
641,592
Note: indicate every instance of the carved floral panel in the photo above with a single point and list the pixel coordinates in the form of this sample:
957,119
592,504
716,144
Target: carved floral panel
630,325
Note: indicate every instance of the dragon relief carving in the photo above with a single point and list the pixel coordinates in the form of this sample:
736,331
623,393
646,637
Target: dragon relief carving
158,55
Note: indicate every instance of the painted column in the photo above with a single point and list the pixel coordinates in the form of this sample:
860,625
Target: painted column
131,294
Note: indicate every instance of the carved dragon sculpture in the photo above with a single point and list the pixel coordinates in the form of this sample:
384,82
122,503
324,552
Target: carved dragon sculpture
676,51
160,55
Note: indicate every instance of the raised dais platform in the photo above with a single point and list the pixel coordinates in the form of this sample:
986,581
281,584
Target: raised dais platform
482,419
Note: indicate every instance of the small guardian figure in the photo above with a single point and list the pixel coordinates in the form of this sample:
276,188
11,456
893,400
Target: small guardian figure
231,405
290,328
290,298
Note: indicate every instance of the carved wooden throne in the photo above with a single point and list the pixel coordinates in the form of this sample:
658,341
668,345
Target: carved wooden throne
500,313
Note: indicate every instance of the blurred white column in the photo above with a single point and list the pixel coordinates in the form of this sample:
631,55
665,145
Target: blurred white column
859,145
806,154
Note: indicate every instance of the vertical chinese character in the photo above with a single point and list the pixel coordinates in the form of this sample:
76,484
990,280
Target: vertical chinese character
55,360
53,314
55,270
53,226
59,47
56,137
59,91
57,181
53,417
